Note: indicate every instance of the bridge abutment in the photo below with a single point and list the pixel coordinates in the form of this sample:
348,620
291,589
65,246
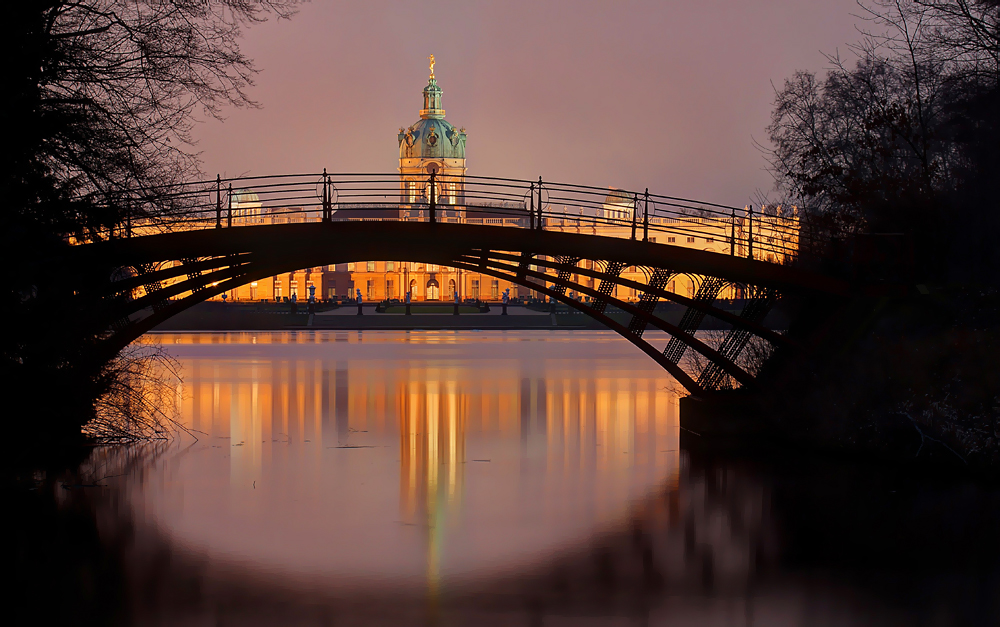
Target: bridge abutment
729,417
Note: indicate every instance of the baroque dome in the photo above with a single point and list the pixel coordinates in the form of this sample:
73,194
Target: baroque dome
431,136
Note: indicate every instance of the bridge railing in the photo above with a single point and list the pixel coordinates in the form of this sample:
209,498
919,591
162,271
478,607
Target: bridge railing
768,233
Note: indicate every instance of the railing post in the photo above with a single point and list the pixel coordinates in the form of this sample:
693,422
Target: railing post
732,234
750,232
229,212
433,199
218,201
635,208
645,217
540,227
531,208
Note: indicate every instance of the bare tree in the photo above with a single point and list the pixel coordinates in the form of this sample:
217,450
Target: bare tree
895,141
108,90
104,94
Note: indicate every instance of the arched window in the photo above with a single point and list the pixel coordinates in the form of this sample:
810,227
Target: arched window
433,290
451,288
413,288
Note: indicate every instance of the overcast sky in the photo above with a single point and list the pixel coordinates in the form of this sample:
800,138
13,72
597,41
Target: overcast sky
662,94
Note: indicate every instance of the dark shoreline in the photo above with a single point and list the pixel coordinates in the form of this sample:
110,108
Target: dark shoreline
214,316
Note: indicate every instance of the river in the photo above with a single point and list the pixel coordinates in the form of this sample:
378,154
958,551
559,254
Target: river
502,477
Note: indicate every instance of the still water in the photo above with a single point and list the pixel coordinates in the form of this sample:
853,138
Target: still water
414,459
506,478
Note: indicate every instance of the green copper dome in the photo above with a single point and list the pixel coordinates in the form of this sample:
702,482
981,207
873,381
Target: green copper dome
432,136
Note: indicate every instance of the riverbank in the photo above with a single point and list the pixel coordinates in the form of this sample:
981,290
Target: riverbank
215,316
910,381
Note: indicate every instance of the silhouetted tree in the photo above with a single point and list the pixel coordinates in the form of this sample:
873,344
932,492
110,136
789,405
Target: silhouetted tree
904,140
100,97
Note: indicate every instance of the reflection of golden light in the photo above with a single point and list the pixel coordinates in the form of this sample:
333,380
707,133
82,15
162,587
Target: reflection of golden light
432,454
579,418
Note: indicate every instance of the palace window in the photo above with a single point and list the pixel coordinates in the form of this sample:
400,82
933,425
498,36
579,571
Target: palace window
671,240
495,289
370,289
350,266
390,289
475,289
390,266
293,288
371,266
690,240
432,267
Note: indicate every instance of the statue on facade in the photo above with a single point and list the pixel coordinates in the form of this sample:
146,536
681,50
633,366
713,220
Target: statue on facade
432,66
407,138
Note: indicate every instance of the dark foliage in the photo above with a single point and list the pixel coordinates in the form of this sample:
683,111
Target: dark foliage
904,140
100,96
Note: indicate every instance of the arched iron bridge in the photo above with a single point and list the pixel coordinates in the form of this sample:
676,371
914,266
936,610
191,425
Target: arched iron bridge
194,241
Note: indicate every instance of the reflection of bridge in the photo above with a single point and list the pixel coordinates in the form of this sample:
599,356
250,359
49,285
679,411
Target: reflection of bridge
502,228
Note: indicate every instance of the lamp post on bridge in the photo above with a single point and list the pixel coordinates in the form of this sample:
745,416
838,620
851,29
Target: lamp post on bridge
218,201
531,207
327,208
540,227
645,217
635,208
433,199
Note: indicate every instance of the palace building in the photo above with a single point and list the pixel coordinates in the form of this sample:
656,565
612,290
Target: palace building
434,145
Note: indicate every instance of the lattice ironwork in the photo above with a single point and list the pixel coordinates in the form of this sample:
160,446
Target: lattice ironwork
648,300
151,286
613,271
758,304
708,291
193,274
564,274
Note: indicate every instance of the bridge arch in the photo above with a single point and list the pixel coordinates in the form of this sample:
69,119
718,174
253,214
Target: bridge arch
210,262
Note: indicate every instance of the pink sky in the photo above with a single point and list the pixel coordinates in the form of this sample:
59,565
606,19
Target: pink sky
662,94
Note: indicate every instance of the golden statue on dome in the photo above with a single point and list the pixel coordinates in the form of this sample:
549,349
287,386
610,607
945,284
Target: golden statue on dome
432,66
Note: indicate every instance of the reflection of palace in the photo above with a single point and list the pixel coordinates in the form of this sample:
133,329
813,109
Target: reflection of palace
433,145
